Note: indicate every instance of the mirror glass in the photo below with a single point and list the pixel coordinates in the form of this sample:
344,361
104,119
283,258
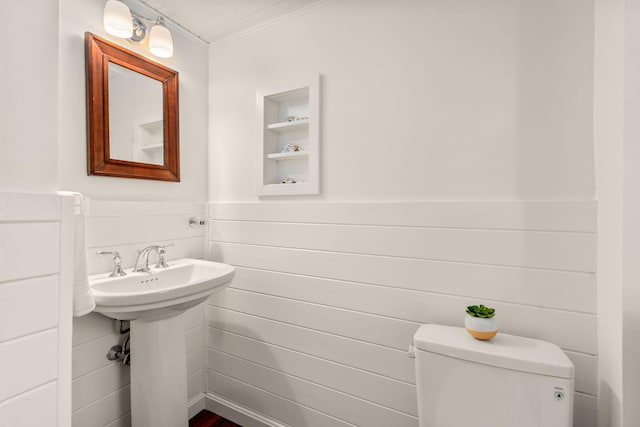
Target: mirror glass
133,128
136,128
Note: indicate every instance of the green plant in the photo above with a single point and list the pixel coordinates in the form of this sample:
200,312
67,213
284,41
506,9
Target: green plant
481,311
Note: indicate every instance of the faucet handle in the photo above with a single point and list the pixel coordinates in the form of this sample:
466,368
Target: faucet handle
117,263
161,253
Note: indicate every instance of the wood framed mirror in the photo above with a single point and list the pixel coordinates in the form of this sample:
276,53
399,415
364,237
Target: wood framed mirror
132,114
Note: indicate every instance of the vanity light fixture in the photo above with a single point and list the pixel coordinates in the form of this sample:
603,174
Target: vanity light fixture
160,41
119,21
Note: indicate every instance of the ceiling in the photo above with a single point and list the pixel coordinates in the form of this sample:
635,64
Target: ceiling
214,20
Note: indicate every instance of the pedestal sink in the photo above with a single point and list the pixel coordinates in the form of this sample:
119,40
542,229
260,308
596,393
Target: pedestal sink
154,302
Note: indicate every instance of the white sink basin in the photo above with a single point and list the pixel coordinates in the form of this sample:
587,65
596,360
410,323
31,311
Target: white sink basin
160,293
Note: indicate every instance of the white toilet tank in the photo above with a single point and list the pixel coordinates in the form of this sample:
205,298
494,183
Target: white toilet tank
506,382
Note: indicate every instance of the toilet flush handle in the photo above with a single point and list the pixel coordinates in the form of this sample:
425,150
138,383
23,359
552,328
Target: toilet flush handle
412,351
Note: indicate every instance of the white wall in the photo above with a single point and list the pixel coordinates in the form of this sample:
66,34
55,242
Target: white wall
190,60
35,309
28,111
609,158
314,328
431,100
35,305
455,102
631,215
617,95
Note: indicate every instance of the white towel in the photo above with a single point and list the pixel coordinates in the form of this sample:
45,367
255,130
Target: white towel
83,301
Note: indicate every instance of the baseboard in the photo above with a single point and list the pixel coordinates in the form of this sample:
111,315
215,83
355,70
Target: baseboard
196,404
238,413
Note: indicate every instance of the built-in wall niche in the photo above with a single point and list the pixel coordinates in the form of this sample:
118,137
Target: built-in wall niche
289,142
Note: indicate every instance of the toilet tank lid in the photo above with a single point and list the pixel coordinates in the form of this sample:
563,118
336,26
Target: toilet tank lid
504,351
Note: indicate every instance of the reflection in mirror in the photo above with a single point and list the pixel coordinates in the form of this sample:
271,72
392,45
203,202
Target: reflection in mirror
136,128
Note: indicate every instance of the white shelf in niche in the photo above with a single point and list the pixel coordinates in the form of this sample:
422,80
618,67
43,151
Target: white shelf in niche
288,155
153,147
274,107
287,126
152,124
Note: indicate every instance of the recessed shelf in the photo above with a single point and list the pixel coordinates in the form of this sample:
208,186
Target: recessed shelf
286,126
274,107
298,188
288,155
152,124
152,147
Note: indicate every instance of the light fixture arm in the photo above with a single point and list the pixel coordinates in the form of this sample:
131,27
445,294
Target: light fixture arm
141,25
139,29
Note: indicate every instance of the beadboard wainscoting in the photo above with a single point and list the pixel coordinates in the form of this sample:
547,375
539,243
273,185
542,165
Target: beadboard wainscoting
315,327
101,387
36,243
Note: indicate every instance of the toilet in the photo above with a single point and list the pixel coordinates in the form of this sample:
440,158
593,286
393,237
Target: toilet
509,381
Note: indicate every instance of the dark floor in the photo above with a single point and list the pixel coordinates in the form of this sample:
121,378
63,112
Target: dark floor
206,418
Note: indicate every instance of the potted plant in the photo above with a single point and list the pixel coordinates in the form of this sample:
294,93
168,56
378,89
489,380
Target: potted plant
480,322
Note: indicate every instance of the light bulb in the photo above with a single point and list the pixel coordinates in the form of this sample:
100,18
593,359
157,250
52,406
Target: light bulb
160,41
117,19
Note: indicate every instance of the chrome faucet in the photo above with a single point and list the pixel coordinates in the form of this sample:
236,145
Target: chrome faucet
144,254
117,263
161,253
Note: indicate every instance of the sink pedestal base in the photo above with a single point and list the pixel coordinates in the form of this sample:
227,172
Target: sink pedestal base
154,302
158,373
